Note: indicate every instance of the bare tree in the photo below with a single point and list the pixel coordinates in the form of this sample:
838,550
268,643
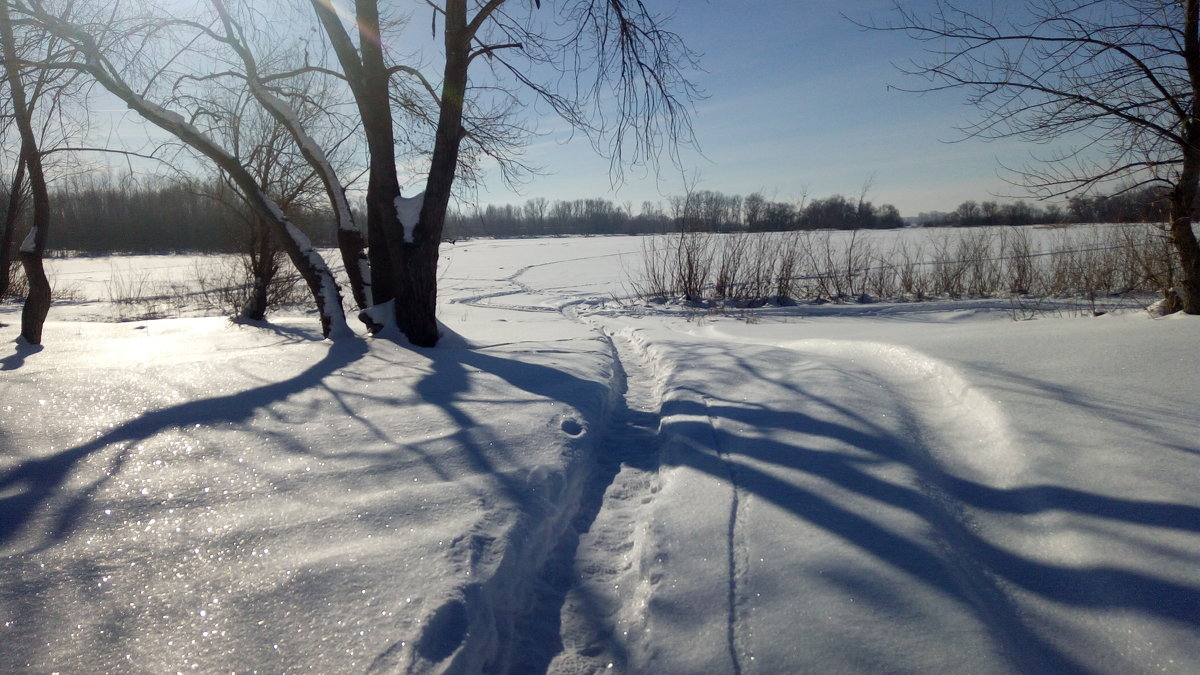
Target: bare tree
1119,78
113,44
507,46
619,43
266,149
37,304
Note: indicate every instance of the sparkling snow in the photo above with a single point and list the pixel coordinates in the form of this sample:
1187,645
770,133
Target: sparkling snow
573,484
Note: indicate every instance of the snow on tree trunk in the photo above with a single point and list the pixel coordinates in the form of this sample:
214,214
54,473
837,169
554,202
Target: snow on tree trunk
350,239
408,214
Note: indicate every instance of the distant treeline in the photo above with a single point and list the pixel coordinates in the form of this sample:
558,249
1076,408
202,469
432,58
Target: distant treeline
1145,205
97,216
702,211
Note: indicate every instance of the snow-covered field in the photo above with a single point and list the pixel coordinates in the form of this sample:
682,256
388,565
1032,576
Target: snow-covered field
576,485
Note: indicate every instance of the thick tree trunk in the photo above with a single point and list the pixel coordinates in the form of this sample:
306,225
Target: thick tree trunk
416,292
1183,238
1183,197
260,262
37,304
403,265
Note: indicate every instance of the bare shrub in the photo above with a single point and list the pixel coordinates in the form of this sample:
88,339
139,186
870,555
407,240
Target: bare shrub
911,275
1150,261
228,287
656,280
136,296
730,256
947,269
693,265
18,285
881,277
746,268
1017,247
789,255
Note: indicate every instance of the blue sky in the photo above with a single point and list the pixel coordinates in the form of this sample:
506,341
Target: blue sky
798,100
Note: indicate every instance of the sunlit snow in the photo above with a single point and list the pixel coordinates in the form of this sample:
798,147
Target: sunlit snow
569,483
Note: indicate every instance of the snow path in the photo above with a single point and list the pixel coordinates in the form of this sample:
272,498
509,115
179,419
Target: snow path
830,501
602,613
591,582
613,600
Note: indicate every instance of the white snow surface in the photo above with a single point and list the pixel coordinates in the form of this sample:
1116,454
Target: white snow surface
408,212
29,243
568,484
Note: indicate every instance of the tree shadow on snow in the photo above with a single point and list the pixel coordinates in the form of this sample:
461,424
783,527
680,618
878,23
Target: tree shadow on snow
32,483
21,351
760,465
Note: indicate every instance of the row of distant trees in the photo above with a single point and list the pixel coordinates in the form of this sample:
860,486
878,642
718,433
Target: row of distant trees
699,211
99,216
95,217
1145,205
710,211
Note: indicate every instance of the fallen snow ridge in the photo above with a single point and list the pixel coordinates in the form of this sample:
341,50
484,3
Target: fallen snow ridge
570,485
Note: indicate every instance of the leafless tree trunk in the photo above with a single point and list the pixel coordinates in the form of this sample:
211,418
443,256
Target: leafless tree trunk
1123,74
351,244
640,101
37,304
640,61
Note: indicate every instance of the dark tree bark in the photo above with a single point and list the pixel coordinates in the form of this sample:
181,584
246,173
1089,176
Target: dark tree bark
402,271
1183,193
37,303
261,266
417,292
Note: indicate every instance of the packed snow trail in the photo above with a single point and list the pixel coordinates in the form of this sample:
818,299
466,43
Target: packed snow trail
602,612
830,504
644,565
784,515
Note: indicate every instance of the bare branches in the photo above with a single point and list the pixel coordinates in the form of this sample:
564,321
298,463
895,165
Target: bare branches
616,74
1122,76
1112,74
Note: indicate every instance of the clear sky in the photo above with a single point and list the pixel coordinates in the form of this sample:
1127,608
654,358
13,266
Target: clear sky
798,100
